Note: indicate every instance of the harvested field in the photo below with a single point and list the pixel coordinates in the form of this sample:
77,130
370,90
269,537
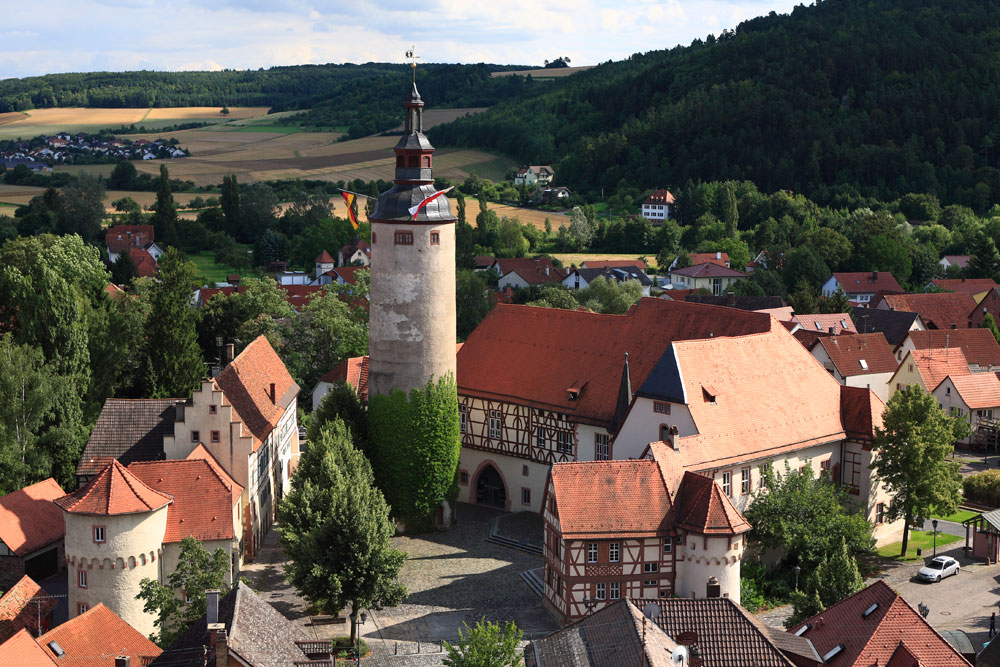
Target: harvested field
11,117
19,195
76,119
181,114
527,216
543,73
434,117
578,258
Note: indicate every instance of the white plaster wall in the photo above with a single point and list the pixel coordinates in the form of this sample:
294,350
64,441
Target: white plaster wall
586,441
877,382
829,288
511,280
701,558
319,391
642,426
130,553
511,469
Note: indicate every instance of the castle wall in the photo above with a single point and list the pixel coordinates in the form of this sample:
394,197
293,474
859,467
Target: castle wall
700,557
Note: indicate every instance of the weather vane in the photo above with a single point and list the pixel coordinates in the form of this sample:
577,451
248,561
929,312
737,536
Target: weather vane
412,55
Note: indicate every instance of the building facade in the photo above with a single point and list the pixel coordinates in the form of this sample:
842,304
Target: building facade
656,207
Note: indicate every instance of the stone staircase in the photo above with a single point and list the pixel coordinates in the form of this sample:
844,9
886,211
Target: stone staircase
534,581
496,537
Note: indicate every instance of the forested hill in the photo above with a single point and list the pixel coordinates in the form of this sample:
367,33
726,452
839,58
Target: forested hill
877,97
365,98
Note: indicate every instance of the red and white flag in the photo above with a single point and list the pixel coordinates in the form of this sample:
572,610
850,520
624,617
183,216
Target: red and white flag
414,210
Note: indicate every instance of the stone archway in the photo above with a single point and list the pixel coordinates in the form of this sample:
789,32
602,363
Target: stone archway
490,488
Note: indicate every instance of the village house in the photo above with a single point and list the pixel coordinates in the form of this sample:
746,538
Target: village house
534,174
977,287
974,399
25,606
356,253
720,258
833,323
524,272
937,310
580,278
989,304
928,368
895,325
128,430
324,262
121,238
344,275
97,638
292,278
614,264
957,261
860,287
31,533
708,276
861,360
656,207
978,346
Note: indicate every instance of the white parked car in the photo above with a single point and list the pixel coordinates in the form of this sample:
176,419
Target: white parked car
938,568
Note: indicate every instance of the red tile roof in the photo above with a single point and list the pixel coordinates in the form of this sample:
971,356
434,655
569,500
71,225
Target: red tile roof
532,271
18,612
353,371
971,285
867,282
602,498
702,507
861,412
659,197
875,638
348,273
708,270
823,322
720,258
96,637
979,390
203,501
960,260
114,490
325,257
122,237
360,244
23,651
145,265
937,310
848,352
613,263
978,345
247,382
935,365
29,520
529,355
201,452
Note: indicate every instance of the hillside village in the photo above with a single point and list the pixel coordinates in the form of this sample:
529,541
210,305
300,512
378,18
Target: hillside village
689,423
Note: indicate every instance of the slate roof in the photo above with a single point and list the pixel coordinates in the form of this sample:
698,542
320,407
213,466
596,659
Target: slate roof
702,507
113,491
617,635
839,322
95,638
867,282
728,635
246,383
18,612
978,345
23,651
847,353
203,500
875,638
893,324
971,285
28,518
256,631
620,274
978,391
938,310
128,430
755,303
529,355
708,270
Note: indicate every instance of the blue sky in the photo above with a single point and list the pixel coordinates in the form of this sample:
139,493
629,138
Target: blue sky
43,36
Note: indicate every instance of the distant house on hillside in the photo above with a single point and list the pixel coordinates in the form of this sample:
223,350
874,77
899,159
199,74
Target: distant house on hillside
959,261
122,237
523,272
864,360
358,252
534,174
324,262
941,310
860,287
580,278
720,258
712,277
656,207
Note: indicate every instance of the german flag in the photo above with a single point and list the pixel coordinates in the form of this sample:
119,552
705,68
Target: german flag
349,198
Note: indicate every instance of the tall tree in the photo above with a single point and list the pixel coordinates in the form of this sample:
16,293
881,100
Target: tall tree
337,531
124,270
471,301
230,202
730,212
485,645
81,208
26,402
165,214
909,458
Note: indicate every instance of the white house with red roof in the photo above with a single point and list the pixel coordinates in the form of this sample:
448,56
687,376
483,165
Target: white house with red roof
861,360
356,253
860,287
31,533
534,174
973,398
518,272
656,207
708,276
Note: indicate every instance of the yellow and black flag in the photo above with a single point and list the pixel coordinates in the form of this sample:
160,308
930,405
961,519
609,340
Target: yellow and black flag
349,198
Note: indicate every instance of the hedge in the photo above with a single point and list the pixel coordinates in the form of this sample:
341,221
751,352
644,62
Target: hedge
983,488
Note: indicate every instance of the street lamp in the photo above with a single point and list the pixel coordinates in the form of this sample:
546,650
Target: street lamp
797,570
360,620
934,523
589,604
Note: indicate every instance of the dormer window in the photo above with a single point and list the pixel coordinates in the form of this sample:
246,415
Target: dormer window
710,393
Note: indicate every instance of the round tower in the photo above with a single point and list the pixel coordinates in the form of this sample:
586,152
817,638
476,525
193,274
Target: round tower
114,534
412,308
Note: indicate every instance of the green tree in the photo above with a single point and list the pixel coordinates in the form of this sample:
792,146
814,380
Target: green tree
510,239
460,205
909,458
174,358
803,300
581,228
610,296
229,199
485,645
341,402
123,269
164,211
122,176
838,303
82,208
337,531
730,212
985,259
989,323
835,578
471,301
197,571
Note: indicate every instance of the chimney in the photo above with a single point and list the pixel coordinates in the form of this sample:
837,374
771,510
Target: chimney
230,352
123,661
218,644
672,435
833,331
212,600
274,398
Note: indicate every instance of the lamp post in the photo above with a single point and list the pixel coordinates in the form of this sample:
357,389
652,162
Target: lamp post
360,620
797,570
934,523
589,604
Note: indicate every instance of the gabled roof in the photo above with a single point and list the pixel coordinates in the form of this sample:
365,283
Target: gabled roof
938,310
703,508
617,635
971,285
659,197
893,324
23,651
95,638
122,237
861,354
246,383
978,345
257,632
203,501
728,635
483,261
959,260
113,491
783,314
867,282
325,257
201,452
720,258
873,638
532,271
613,264
603,498
353,371
128,430
349,274
861,413
754,303
145,265
529,355
29,520
935,365
353,247
620,274
978,391
839,322
18,611
708,270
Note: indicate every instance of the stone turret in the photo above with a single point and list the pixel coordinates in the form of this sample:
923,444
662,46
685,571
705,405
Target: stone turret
412,308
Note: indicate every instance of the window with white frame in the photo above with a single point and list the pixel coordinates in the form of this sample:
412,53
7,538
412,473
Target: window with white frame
614,552
82,607
601,451
539,437
496,424
650,568
592,552
600,591
745,481
564,442
727,483
668,544
99,536
616,590
81,578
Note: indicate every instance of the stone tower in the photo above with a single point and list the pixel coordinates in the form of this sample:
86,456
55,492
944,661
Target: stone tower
412,309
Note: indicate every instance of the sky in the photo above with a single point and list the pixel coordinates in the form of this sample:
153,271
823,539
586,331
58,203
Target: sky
46,36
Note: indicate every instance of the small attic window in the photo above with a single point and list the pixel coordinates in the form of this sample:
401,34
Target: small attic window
864,364
843,324
819,327
805,628
832,653
868,612
575,390
57,649
710,393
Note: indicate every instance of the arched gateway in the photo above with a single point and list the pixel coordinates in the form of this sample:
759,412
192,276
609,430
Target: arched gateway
490,488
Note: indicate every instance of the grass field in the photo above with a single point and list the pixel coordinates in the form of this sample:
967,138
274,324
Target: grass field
74,119
211,272
578,258
919,539
957,517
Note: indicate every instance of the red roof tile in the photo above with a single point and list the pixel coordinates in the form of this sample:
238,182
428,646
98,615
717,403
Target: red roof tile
96,637
848,352
203,500
937,310
861,412
708,270
971,285
960,260
935,365
18,612
702,507
201,452
247,383
613,263
114,490
348,273
874,638
23,651
530,355
145,265
659,197
720,258
122,237
532,271
29,520
867,282
978,391
353,371
823,322
978,345
324,257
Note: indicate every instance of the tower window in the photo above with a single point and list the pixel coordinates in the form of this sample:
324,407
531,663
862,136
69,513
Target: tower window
99,534
426,160
435,238
400,161
414,162
404,238
82,578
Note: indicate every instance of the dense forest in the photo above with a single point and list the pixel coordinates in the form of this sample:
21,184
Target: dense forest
364,98
843,97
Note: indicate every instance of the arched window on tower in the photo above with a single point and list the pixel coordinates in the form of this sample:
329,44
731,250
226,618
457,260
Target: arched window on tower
414,162
426,162
399,161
